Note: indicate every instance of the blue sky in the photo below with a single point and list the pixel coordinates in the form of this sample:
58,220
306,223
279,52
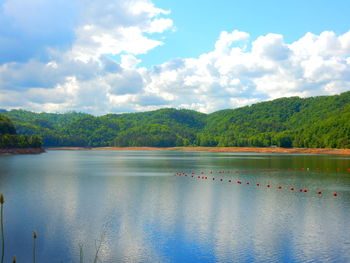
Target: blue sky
102,56
198,23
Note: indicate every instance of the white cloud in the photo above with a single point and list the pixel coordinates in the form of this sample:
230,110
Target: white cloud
129,61
160,25
126,82
271,47
82,74
226,39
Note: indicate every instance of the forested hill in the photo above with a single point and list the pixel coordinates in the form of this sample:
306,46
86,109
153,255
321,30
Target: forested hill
287,122
10,139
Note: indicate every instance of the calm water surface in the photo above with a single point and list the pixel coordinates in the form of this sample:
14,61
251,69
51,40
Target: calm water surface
143,213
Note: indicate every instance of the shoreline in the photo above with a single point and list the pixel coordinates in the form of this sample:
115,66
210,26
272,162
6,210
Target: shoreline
216,149
12,151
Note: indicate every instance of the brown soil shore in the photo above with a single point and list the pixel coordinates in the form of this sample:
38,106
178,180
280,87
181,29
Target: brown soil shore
217,149
21,151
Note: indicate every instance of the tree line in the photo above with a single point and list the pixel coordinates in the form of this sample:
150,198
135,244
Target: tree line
10,139
315,122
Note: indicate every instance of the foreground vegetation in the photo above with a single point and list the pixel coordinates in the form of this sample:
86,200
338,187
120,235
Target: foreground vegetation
317,122
98,243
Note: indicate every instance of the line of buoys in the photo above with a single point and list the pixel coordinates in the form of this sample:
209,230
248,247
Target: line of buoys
248,182
263,170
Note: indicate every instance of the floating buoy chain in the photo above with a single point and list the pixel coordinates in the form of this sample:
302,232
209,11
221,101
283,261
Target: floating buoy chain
193,175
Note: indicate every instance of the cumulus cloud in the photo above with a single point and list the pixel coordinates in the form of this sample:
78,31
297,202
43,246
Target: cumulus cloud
29,27
69,61
232,75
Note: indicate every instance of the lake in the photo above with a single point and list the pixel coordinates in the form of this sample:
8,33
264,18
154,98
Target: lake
141,211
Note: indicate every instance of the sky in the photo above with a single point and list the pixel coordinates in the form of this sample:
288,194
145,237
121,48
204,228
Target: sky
114,56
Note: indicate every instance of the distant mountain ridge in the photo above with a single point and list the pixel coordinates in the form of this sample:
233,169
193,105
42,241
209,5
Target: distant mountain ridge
315,122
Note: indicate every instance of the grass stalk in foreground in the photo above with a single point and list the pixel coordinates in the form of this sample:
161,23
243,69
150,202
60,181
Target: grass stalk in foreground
2,201
34,245
81,254
98,247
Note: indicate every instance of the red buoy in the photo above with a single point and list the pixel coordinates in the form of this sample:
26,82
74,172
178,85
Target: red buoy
268,185
305,190
257,184
213,178
292,188
248,182
229,181
319,192
338,170
192,176
239,182
220,179
335,194
202,172
300,190
199,177
279,187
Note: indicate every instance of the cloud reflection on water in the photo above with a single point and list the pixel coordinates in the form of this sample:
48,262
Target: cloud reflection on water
165,218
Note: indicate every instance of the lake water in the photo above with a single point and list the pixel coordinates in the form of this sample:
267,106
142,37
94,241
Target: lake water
142,212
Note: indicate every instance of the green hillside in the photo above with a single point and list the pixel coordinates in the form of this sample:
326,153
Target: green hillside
6,126
10,139
287,122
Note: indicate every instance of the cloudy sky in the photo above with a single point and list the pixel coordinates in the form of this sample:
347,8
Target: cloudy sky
102,56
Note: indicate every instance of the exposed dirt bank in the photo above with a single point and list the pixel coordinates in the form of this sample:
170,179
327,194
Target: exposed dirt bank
21,151
218,149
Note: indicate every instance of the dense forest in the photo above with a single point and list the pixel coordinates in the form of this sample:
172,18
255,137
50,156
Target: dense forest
287,122
10,139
